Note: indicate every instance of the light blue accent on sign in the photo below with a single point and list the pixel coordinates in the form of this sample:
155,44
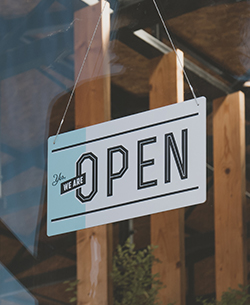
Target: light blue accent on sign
60,206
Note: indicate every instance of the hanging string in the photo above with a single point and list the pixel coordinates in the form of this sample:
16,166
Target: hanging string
80,72
173,47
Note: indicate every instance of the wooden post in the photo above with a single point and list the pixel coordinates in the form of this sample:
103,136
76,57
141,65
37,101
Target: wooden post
167,229
229,192
92,106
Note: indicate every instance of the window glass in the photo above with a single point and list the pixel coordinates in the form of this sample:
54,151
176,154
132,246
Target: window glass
49,50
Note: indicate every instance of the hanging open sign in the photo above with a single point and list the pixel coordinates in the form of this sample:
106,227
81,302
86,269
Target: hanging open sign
138,165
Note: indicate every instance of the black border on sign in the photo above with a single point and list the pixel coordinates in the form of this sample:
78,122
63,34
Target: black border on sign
134,201
127,131
125,203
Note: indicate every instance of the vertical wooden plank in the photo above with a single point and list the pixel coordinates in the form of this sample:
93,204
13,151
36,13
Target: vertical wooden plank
93,92
229,192
92,106
167,229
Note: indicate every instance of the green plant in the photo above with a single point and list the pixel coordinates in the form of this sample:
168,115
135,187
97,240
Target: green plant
133,281
72,286
231,297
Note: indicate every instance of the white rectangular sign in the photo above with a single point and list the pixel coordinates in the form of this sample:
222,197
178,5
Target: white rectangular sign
138,165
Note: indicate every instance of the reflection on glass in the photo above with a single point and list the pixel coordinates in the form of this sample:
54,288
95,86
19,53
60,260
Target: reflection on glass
12,292
38,64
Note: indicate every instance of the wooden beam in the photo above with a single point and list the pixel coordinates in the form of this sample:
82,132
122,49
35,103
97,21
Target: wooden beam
92,106
93,93
229,192
167,229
